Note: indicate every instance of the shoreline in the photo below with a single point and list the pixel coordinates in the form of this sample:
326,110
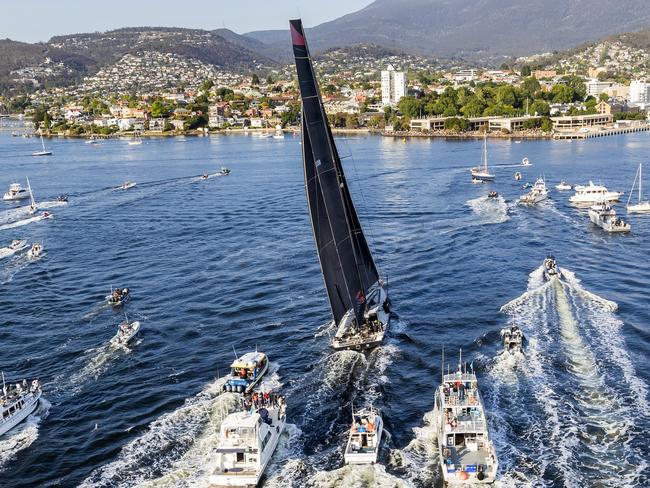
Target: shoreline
469,135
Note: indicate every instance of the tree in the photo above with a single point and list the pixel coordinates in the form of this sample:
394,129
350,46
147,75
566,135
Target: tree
269,80
539,107
46,121
409,106
578,86
525,70
255,80
530,86
206,85
561,93
546,125
603,97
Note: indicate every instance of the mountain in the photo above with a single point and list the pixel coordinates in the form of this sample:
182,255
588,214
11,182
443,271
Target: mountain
473,27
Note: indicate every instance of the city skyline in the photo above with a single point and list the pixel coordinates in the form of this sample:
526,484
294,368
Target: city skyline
48,19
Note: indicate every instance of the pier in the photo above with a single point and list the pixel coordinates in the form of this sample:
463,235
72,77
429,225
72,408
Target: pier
600,132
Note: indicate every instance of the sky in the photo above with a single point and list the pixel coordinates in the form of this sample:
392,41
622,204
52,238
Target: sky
38,20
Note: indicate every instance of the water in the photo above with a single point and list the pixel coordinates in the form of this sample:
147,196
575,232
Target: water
230,262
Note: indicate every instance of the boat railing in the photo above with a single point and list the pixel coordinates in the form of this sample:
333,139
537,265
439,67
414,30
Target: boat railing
466,426
469,399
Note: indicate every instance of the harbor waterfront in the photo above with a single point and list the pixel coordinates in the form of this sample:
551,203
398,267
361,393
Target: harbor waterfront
229,263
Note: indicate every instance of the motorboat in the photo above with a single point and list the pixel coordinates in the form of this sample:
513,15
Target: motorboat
357,294
127,184
42,152
604,216
15,246
526,162
550,268
16,192
526,186
205,176
35,251
467,454
125,333
481,173
493,195
224,171
364,439
588,195
642,206
538,193
279,134
512,338
17,402
118,296
563,186
62,198
246,372
517,176
247,440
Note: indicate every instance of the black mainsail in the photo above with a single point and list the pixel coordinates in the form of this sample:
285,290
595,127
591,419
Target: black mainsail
348,268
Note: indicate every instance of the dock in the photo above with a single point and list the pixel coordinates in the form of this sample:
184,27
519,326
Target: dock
600,132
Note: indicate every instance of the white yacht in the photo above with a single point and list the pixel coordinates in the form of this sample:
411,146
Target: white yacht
467,455
279,134
513,339
550,268
563,186
125,333
538,193
247,441
642,206
526,162
43,152
605,217
16,192
481,173
370,333
246,372
365,437
588,195
35,251
15,246
17,402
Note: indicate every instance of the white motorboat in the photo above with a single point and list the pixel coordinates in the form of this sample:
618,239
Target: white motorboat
563,186
264,135
642,206
493,195
246,372
15,246
588,195
526,162
224,171
118,296
43,152
481,173
550,268
279,134
467,455
125,333
513,339
365,435
35,251
17,402
538,193
126,185
605,217
16,192
247,441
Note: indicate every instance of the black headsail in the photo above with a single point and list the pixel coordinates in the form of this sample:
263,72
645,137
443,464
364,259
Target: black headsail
347,265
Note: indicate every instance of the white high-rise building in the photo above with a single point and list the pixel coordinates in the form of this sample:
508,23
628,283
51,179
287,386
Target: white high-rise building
639,92
393,85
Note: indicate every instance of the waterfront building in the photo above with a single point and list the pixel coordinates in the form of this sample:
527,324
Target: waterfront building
639,92
393,85
595,87
565,122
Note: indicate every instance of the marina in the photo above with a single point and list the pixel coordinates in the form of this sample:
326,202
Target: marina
254,225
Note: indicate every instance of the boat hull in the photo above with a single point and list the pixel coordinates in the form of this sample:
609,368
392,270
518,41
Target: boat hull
17,418
642,207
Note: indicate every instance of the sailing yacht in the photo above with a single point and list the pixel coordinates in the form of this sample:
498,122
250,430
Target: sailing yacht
643,206
357,294
43,152
137,140
481,173
32,206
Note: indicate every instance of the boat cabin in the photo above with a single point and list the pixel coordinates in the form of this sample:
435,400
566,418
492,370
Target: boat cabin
246,371
365,437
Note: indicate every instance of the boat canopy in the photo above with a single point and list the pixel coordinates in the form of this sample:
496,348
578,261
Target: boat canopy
250,360
346,262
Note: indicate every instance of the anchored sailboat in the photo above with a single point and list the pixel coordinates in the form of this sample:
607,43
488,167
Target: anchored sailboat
356,293
641,206
481,173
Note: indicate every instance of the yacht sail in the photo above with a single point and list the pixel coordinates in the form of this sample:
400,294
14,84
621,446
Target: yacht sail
356,293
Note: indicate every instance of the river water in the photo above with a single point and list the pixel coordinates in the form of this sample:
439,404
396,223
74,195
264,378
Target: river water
230,263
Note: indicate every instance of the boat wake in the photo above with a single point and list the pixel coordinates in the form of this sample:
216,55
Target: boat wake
23,435
177,448
20,223
489,210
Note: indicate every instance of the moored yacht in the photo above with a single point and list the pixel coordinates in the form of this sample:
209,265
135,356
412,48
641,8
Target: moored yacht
42,152
604,216
246,372
467,455
512,338
587,195
550,268
247,441
642,206
538,193
365,437
16,192
481,173
357,294
17,402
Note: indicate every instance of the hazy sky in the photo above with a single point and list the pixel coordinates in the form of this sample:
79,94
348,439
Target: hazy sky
38,20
